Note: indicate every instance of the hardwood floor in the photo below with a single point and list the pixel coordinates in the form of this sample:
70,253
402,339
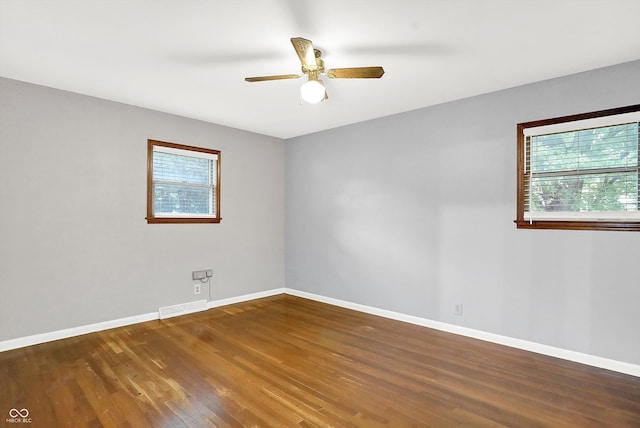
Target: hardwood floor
287,361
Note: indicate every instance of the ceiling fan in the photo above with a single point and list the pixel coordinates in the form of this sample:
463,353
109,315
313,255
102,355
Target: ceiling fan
313,90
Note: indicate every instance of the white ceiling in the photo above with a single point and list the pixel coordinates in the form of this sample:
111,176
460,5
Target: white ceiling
189,57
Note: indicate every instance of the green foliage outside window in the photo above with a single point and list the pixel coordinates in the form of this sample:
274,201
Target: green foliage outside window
587,170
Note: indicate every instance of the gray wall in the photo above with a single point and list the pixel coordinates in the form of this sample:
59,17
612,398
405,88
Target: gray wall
75,247
414,213
377,213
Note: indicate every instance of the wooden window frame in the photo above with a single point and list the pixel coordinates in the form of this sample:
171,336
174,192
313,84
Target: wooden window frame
151,218
521,222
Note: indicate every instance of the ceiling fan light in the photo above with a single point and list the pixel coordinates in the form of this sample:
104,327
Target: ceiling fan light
313,91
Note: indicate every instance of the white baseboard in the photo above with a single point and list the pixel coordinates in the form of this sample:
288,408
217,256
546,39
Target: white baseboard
578,357
245,298
605,363
36,339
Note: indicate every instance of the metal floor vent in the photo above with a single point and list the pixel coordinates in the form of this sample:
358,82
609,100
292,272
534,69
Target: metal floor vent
182,309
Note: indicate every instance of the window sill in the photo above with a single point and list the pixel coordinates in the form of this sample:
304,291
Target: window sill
183,220
578,225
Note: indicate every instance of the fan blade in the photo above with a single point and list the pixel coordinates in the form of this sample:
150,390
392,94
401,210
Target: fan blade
304,49
279,77
356,73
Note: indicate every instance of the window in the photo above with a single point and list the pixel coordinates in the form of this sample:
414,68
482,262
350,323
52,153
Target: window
183,184
580,172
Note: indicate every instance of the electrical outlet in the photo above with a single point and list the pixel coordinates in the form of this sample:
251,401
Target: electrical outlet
196,288
458,309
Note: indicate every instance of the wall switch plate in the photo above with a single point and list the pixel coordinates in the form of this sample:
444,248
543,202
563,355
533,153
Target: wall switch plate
458,309
196,288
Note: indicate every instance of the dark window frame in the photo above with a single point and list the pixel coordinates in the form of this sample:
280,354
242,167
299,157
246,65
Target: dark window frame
151,218
521,222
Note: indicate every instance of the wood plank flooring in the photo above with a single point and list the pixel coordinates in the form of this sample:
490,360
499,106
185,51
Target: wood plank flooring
287,361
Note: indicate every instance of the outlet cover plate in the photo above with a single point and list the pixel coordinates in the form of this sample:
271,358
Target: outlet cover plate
458,309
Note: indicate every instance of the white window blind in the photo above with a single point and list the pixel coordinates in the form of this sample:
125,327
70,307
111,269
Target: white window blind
184,183
583,170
